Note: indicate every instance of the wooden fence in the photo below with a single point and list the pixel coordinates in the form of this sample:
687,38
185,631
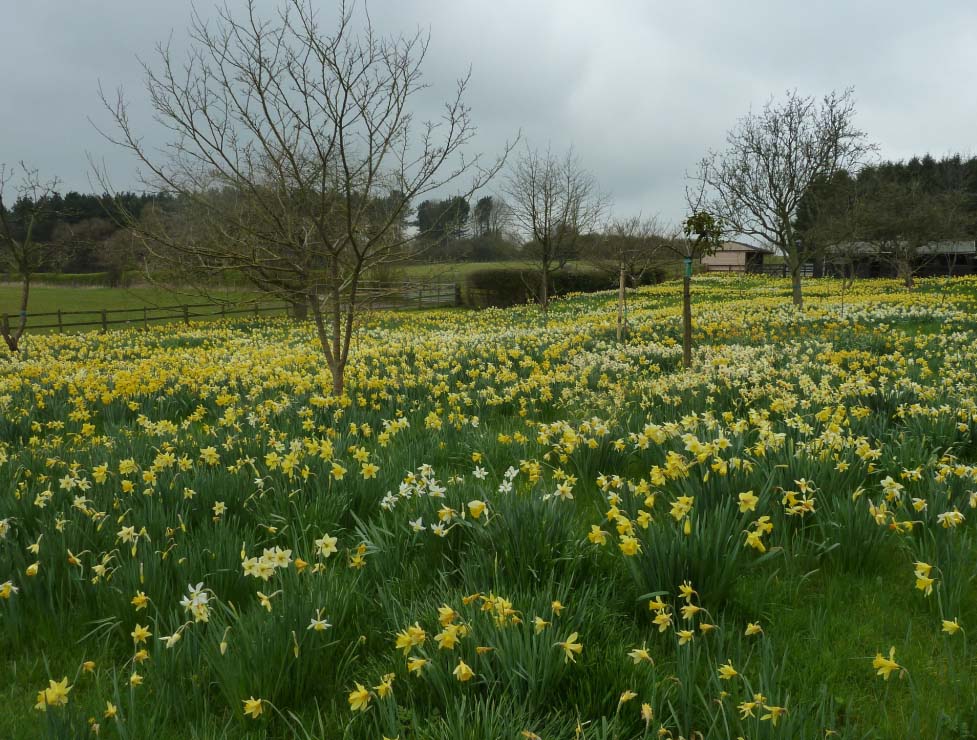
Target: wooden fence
371,296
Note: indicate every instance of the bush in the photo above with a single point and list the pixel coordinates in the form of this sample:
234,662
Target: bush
508,286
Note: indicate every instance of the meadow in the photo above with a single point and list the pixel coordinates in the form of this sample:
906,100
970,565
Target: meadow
51,291
505,529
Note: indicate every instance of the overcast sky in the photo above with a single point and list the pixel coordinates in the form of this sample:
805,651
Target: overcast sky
640,89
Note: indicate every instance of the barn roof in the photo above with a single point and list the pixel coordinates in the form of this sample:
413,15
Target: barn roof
933,248
734,246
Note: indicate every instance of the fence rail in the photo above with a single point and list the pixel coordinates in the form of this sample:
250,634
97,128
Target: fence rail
781,270
726,268
370,296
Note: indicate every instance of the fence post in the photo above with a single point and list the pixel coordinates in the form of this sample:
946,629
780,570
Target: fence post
186,314
420,296
256,308
105,320
223,310
60,327
145,318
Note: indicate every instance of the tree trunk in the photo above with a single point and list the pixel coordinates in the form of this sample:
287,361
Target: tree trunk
686,322
621,298
544,291
338,378
7,337
337,365
13,338
905,271
795,285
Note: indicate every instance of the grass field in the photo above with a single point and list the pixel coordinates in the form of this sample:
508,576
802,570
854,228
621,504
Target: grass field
85,304
47,297
505,529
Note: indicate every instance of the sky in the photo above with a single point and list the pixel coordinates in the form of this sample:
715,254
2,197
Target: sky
641,90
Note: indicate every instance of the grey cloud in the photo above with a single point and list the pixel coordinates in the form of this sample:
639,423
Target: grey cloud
641,89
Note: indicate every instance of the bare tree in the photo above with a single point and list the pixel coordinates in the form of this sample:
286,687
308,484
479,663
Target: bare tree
628,248
22,251
294,157
772,159
553,202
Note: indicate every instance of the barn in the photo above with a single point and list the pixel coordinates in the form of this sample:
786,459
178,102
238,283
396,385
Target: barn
735,256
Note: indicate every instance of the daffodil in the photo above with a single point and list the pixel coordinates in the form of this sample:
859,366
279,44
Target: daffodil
359,698
951,626
253,707
571,648
463,671
55,695
639,655
748,501
410,638
140,634
773,714
663,620
726,671
625,697
385,687
885,666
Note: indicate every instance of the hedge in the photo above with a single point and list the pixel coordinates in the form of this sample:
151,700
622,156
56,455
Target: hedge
508,286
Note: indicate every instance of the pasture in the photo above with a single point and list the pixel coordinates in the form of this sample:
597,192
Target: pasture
505,529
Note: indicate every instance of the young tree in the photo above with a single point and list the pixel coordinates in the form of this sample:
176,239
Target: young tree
295,157
771,161
702,236
628,248
25,248
553,201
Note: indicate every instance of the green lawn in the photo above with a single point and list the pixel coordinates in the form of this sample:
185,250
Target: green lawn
85,304
146,303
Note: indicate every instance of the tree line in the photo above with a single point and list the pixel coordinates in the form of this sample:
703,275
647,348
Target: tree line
902,215
81,232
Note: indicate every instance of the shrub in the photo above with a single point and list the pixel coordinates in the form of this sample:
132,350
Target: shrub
508,286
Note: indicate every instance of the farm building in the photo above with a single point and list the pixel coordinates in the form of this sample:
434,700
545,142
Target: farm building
736,257
866,260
